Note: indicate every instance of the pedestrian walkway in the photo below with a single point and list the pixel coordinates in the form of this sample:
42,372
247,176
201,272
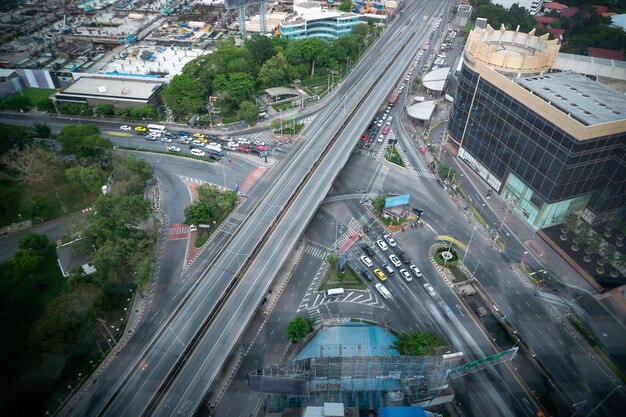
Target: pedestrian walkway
177,231
248,182
316,252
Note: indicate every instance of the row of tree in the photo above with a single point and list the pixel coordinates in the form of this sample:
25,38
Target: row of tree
233,75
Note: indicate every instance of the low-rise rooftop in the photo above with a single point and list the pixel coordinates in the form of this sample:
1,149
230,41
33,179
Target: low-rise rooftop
587,101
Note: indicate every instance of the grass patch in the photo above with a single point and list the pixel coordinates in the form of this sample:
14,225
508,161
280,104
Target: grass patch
228,119
479,217
524,270
390,222
439,259
458,275
392,155
187,155
348,280
282,106
25,99
202,236
315,81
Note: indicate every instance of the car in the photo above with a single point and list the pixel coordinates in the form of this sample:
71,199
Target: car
380,274
366,275
384,116
199,135
408,77
197,143
368,250
184,140
173,148
126,128
380,123
198,152
407,275
381,138
243,149
382,290
166,139
151,137
403,85
404,258
141,129
415,270
382,245
389,119
430,289
183,133
259,143
367,261
394,260
385,129
390,240
171,135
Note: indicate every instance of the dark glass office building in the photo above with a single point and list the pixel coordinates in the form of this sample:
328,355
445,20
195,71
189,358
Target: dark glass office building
549,143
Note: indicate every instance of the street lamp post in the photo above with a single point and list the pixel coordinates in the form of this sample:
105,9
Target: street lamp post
523,257
468,246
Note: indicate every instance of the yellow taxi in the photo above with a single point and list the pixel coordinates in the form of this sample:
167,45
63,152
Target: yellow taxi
141,129
380,274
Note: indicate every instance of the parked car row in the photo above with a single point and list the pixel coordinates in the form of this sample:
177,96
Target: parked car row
407,270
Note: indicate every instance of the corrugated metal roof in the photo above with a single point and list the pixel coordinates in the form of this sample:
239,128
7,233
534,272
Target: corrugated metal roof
401,200
348,340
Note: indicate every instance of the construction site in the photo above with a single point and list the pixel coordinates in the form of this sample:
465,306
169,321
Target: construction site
147,37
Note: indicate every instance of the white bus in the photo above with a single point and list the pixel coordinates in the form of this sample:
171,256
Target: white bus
333,292
160,129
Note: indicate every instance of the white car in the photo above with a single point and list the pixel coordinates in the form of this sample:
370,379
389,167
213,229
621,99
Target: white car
407,275
126,128
430,289
259,143
389,119
381,138
198,152
367,261
166,139
173,148
408,77
382,245
415,270
380,123
382,290
390,240
395,261
385,116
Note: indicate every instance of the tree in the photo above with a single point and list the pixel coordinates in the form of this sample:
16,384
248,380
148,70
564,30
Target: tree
299,328
15,102
116,215
34,241
184,95
241,86
417,343
379,203
42,130
571,222
260,47
275,72
29,165
248,111
84,141
90,177
27,260
311,49
594,244
104,109
199,212
143,112
130,175
332,259
12,137
345,6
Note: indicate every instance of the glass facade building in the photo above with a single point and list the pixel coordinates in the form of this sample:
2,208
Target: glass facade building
326,26
543,158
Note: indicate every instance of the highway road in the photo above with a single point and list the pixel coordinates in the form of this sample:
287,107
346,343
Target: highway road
143,382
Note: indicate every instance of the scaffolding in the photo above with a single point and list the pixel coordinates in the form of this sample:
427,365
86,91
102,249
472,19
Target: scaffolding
365,382
240,5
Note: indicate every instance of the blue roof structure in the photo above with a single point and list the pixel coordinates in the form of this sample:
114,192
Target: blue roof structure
349,340
401,200
401,412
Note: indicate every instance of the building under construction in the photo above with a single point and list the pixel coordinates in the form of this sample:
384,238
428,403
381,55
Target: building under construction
354,364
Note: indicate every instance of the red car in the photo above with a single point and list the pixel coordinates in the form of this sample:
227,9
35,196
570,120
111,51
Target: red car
243,149
261,148
364,137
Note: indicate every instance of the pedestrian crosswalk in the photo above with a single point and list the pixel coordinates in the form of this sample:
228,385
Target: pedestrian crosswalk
189,180
237,216
177,231
317,252
366,152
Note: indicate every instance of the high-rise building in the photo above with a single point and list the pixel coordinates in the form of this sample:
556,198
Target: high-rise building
548,142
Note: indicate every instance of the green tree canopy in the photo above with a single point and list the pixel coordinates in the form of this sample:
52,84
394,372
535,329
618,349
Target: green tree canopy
212,205
260,47
27,260
299,328
34,241
130,175
90,177
116,215
275,72
248,111
184,95
84,141
418,344
42,130
345,6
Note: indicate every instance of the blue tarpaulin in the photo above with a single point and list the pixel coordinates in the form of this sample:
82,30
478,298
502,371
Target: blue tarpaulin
401,412
401,200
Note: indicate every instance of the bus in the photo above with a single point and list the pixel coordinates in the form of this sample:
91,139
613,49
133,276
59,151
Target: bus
394,98
157,129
